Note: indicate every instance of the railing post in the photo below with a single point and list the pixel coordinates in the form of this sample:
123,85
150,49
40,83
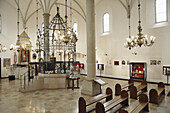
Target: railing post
28,73
24,81
20,81
32,74
36,71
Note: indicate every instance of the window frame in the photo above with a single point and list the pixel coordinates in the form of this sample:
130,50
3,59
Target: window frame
103,23
166,13
77,28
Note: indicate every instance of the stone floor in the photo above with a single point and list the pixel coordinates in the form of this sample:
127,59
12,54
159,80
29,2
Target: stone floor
60,100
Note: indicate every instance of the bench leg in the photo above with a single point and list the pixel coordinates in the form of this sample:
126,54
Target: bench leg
163,92
125,103
117,89
153,96
100,108
145,89
129,87
133,92
122,111
147,108
109,91
82,105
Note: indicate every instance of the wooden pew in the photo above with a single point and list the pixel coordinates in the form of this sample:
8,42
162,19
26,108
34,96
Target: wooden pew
119,88
83,104
134,89
142,105
155,93
122,100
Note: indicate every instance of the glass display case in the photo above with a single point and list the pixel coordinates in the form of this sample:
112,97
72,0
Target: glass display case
166,72
138,70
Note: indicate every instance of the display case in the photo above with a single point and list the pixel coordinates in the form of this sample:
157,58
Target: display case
138,70
100,67
166,72
81,66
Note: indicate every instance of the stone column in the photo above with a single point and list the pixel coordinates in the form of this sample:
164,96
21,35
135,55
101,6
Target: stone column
91,53
89,86
46,17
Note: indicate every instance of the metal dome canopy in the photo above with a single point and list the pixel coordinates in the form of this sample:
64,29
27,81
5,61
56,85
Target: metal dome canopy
59,31
24,39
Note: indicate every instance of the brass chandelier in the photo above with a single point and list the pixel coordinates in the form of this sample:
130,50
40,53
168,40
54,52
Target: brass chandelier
140,39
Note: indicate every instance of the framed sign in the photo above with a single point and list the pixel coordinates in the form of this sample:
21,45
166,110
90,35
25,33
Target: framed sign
6,62
81,65
25,56
152,62
77,66
100,67
116,63
123,62
100,81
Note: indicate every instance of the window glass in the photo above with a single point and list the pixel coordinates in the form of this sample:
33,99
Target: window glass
75,28
106,22
161,10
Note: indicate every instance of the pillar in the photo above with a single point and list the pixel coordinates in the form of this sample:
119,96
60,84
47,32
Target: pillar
46,17
91,52
90,87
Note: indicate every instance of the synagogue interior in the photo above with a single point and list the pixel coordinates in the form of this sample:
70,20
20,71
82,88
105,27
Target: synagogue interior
84,56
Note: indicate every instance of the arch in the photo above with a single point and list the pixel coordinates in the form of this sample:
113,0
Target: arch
84,18
106,22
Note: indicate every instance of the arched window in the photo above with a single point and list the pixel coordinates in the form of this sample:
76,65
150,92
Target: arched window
75,28
161,10
106,23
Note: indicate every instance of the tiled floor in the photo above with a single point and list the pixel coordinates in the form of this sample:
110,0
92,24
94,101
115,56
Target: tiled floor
58,101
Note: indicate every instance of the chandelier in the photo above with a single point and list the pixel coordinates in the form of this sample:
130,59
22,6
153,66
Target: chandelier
140,39
59,30
62,39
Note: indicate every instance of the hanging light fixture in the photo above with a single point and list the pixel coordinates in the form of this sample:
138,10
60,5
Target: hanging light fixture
59,29
140,39
62,41
61,37
130,42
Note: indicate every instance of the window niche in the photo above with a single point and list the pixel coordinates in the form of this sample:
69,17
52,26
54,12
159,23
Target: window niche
106,23
75,27
161,11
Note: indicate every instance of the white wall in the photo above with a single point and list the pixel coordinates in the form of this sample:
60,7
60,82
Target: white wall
8,34
8,11
112,44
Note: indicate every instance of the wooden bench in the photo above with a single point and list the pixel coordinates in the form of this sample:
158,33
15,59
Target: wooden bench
142,105
83,104
121,100
119,88
155,93
133,89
